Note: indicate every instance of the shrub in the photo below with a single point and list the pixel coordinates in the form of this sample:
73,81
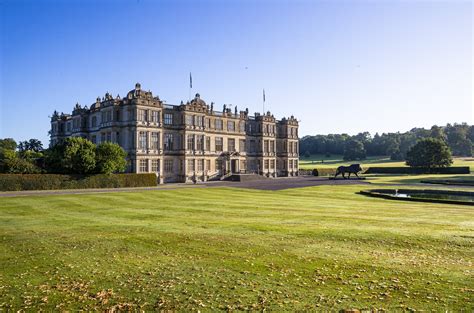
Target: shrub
429,153
324,171
16,182
110,158
418,170
75,155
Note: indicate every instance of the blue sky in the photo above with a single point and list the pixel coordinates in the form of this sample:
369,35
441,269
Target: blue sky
338,66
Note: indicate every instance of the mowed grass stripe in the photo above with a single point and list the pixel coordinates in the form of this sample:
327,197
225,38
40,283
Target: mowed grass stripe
225,248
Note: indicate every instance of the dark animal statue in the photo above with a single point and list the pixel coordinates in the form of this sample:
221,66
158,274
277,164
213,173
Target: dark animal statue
352,169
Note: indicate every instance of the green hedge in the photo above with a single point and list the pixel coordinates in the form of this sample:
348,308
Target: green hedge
16,182
330,171
418,170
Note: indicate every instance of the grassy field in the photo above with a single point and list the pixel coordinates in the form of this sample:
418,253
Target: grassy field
321,161
313,248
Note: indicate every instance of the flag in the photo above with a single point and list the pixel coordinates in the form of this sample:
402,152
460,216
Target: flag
190,81
263,95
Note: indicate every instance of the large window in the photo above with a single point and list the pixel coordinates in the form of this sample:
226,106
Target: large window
198,120
242,127
265,146
200,142
253,146
190,165
168,144
142,140
218,165
266,164
272,146
200,165
189,120
155,165
242,145
142,115
219,144
190,142
208,143
231,145
143,166
94,121
168,166
219,124
155,116
230,126
168,119
272,164
155,140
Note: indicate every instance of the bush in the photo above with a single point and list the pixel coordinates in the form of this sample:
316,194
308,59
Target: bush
16,182
110,158
75,155
324,171
429,153
418,170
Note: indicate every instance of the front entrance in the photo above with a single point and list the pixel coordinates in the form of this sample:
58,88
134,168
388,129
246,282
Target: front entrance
234,166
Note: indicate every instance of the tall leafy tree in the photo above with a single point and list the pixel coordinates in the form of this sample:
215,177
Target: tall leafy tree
354,150
7,144
30,145
75,155
429,153
110,158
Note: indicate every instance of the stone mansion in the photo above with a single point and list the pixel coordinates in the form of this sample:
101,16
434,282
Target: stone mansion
186,142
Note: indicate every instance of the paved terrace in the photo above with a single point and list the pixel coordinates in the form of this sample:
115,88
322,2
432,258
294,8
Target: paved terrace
264,184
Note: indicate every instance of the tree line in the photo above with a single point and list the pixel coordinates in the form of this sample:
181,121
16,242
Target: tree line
459,138
75,155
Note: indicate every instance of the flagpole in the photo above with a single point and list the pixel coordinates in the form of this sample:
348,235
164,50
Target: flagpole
263,103
190,85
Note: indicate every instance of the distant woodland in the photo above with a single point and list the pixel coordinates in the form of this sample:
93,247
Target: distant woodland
458,137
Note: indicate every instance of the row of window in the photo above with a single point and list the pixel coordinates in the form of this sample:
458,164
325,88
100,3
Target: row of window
106,136
154,140
198,165
148,116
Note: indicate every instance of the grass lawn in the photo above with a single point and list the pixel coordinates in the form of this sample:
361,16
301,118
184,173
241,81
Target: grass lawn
315,161
414,179
313,248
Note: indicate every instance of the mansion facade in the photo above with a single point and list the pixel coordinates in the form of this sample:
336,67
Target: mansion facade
187,142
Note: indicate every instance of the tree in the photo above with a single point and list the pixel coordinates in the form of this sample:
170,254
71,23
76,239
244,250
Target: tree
307,154
7,144
30,145
79,155
429,153
110,158
12,163
354,150
75,155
